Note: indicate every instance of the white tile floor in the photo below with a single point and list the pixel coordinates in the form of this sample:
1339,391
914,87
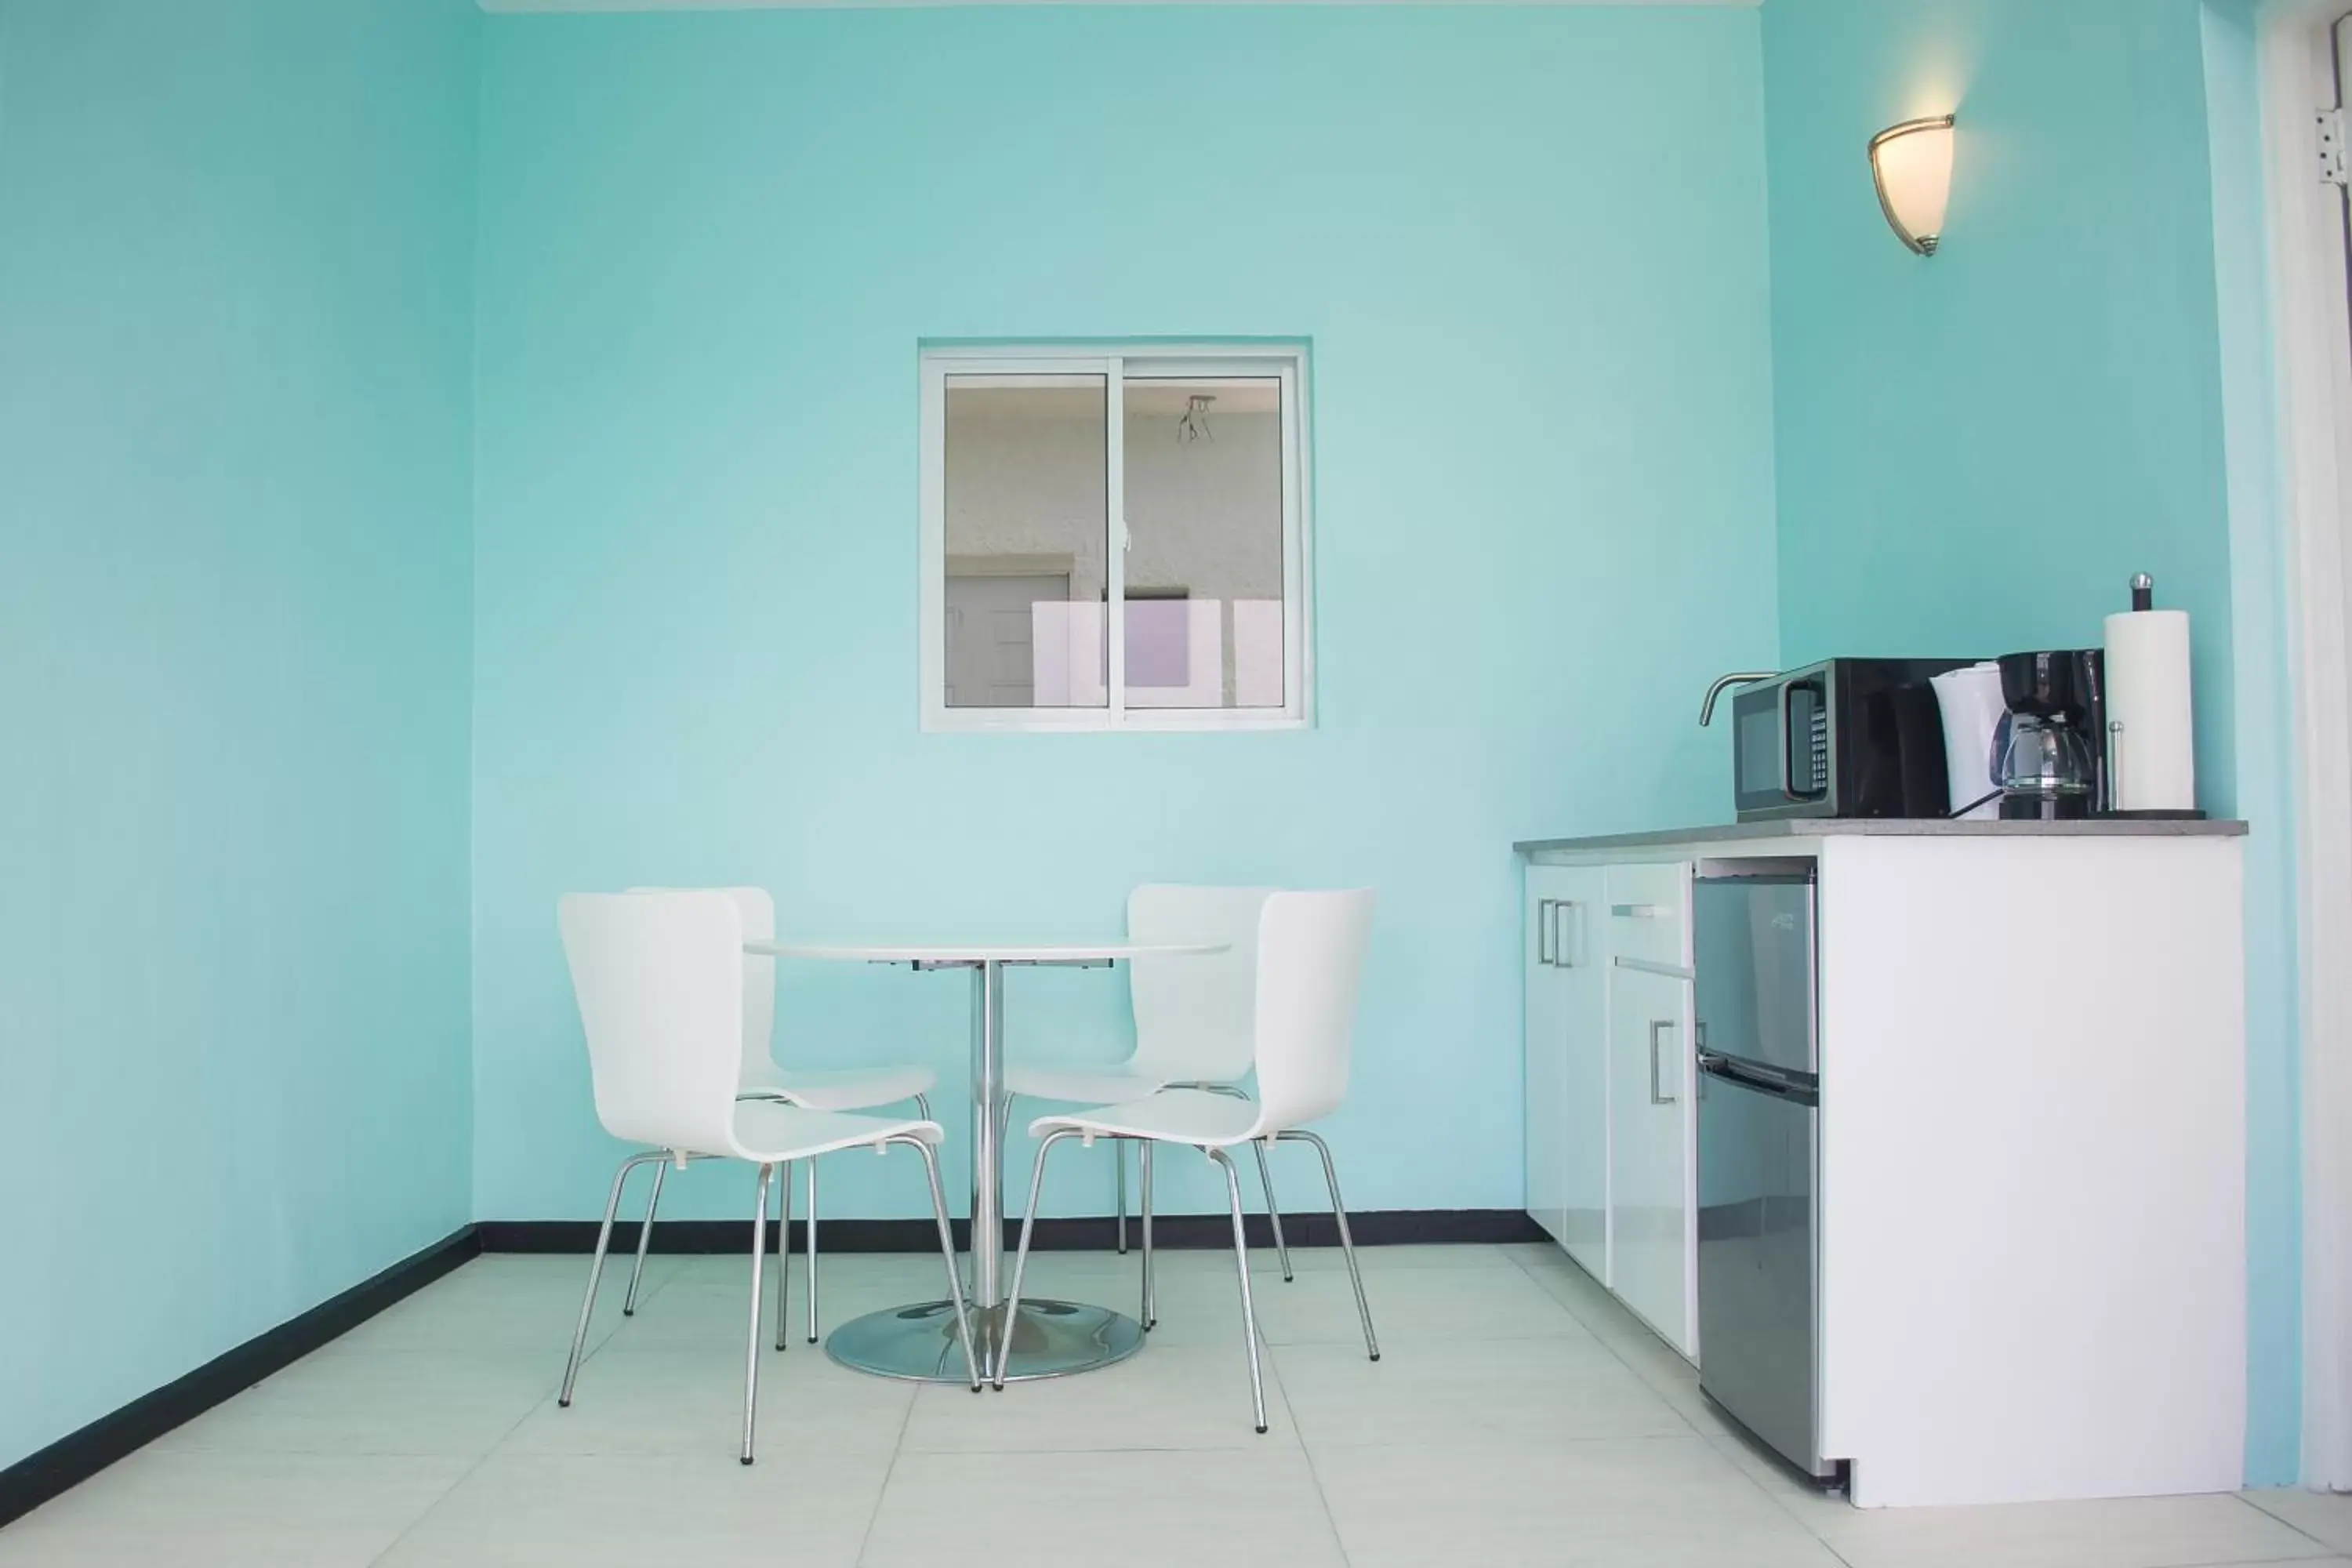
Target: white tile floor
1518,1416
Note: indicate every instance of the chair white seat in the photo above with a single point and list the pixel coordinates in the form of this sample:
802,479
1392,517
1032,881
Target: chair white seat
659,977
1194,1019
1191,1116
1305,965
841,1089
771,1132
1083,1085
817,1089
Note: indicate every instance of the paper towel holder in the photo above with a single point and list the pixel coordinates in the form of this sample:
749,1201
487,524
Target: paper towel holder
2143,600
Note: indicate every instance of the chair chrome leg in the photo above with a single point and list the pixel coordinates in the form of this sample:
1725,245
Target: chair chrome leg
1003,1131
923,1106
1241,1266
1021,1257
809,1240
947,1254
645,1235
752,1350
1273,1210
1143,1163
596,1271
1119,1159
784,1255
1265,1177
1347,1242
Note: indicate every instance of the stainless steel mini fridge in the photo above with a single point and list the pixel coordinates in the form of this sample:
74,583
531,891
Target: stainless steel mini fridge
1759,1158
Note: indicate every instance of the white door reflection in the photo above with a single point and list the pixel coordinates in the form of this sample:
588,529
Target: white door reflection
1176,653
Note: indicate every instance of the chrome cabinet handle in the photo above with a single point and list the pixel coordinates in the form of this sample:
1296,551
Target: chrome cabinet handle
1551,940
1657,1026
1638,911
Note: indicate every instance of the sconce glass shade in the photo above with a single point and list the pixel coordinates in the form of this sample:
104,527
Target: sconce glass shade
1911,164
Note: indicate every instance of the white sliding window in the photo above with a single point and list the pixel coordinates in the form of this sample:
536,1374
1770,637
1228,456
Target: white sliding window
1114,541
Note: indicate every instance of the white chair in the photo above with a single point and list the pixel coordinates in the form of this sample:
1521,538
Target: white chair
852,1088
1310,959
659,979
1192,1021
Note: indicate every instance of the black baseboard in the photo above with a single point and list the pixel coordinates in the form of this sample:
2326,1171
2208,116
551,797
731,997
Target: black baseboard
75,1457
1380,1228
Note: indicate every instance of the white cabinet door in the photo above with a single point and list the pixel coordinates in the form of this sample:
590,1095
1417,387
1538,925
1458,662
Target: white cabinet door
1650,1211
1567,1060
1547,1055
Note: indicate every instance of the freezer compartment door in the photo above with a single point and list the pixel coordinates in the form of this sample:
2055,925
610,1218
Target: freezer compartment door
1757,1311
1752,940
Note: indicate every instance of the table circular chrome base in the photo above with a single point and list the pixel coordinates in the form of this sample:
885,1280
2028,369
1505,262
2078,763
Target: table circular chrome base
1050,1339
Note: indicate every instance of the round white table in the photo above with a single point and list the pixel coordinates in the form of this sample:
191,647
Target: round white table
1051,1338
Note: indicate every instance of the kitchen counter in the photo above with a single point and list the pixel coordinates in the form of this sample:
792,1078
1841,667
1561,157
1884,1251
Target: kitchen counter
1892,828
2030,1049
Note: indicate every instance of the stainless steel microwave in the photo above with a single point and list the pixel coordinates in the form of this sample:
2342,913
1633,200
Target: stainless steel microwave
1846,737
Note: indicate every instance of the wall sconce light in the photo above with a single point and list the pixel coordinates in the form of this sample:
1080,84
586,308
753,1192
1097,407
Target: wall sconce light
1911,164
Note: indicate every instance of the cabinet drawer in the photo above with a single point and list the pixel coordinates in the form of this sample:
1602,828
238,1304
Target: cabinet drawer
1649,912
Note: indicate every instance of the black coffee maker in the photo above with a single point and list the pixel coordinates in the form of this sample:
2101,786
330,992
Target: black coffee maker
2049,752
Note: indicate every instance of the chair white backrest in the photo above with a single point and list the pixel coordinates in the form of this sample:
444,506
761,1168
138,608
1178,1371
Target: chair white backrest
1194,1017
1310,965
758,908
659,979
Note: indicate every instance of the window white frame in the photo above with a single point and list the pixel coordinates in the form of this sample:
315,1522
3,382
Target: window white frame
1285,363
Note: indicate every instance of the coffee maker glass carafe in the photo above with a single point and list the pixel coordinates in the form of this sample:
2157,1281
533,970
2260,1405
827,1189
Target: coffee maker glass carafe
2045,758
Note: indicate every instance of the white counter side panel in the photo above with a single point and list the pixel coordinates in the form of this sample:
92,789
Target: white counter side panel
2033,1167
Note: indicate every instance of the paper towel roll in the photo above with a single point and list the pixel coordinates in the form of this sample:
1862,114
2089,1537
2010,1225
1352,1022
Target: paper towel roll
2154,756
1971,701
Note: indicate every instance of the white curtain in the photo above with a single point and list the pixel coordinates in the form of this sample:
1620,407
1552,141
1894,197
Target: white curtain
2308,260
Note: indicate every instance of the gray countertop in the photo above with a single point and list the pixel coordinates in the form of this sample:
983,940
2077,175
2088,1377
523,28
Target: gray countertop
1892,828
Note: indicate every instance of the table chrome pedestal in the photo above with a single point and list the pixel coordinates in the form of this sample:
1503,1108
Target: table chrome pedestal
1050,1339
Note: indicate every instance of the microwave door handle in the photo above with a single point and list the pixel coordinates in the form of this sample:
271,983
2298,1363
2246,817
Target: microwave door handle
1787,739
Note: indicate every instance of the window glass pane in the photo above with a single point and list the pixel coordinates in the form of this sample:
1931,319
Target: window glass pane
1205,623
1027,518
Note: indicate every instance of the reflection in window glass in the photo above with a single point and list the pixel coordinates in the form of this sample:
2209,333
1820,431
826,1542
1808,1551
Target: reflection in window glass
1203,621
1026,473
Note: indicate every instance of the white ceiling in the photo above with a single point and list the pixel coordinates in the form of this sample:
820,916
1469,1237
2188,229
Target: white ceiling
517,6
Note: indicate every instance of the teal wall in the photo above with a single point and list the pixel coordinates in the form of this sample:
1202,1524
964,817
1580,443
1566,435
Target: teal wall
1529,248
234,261
1974,452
